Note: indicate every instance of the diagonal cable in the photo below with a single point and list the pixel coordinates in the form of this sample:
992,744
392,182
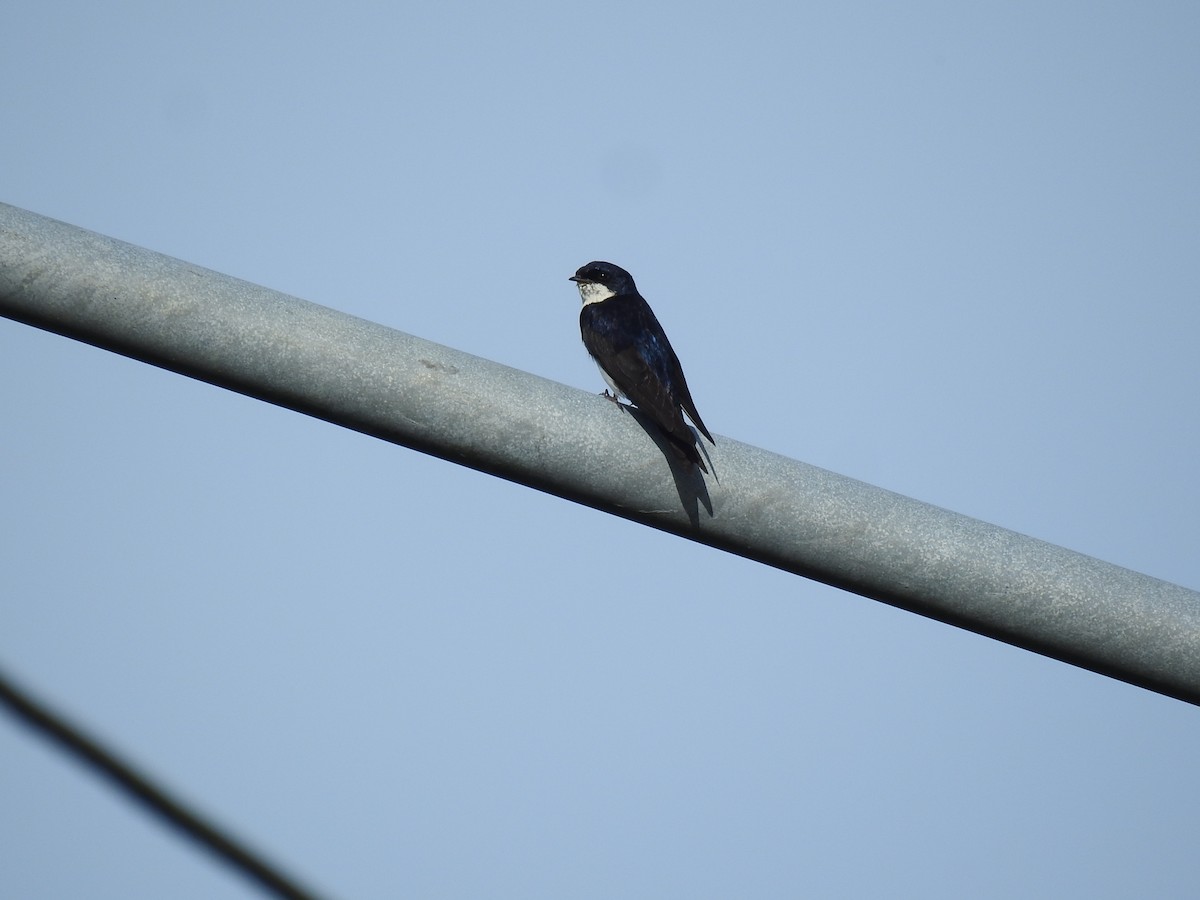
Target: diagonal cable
150,796
567,442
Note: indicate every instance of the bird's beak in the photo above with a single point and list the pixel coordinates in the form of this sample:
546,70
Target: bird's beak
575,278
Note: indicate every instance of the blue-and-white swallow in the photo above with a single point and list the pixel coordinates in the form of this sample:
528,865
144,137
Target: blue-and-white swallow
623,336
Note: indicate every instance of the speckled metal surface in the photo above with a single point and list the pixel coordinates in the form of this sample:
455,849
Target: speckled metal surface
579,446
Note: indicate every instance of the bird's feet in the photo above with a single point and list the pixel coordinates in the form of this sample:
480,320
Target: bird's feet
613,397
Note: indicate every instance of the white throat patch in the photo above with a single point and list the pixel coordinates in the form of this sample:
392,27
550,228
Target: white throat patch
594,292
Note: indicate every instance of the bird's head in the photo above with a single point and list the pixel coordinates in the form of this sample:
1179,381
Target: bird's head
600,280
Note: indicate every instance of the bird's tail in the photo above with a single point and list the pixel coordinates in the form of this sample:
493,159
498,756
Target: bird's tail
688,453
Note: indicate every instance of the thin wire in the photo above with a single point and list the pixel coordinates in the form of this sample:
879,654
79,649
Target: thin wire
151,796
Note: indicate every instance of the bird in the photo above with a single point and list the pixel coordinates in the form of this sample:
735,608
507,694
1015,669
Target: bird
623,336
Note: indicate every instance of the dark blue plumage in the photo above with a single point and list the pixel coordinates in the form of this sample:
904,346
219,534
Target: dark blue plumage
623,336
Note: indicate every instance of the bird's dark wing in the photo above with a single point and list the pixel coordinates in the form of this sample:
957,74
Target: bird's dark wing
624,337
689,405
671,372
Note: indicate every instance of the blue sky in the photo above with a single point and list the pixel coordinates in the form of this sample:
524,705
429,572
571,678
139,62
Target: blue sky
947,249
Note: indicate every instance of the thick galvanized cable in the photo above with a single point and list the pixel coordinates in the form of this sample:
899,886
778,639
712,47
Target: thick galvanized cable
150,795
571,443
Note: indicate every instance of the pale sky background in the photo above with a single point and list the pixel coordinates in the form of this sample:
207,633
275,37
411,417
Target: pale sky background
949,249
